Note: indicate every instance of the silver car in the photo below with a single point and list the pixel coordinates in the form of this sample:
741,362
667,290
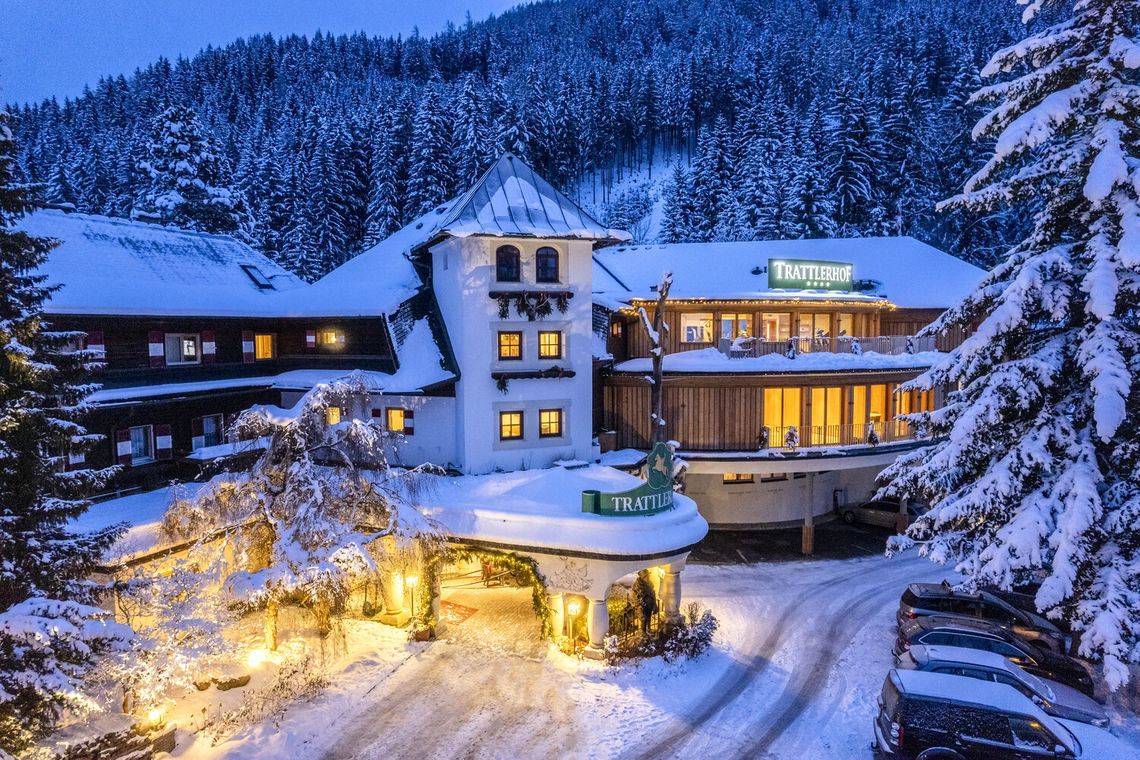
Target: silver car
1052,697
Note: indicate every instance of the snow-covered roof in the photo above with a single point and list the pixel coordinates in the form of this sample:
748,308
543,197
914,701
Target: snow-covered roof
543,508
511,199
119,266
906,271
712,360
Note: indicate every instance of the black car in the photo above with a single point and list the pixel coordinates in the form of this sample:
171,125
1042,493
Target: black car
923,599
975,633
1023,597
934,716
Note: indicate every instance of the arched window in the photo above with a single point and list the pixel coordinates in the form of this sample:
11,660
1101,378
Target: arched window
546,265
507,267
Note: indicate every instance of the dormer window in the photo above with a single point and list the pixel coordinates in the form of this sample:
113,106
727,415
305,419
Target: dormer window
546,265
507,264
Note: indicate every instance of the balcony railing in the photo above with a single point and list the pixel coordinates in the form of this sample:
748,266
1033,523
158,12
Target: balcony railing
741,348
817,436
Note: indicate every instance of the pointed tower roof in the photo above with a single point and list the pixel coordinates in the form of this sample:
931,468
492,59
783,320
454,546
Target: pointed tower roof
511,199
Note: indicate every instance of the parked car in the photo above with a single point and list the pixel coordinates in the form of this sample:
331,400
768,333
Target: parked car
942,717
1023,597
1054,698
881,512
975,633
922,599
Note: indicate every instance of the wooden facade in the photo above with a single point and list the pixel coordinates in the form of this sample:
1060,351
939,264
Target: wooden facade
723,412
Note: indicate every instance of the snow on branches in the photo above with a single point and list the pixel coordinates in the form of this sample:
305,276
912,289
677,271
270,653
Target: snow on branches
322,506
1032,472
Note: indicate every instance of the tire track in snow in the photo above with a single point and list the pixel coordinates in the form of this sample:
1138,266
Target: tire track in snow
732,684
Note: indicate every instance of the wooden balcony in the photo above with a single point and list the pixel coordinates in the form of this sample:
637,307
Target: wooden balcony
826,436
744,348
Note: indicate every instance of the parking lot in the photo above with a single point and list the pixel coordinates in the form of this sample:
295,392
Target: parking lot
833,540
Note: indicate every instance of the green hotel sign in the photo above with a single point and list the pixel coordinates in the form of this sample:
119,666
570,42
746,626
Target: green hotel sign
803,274
655,495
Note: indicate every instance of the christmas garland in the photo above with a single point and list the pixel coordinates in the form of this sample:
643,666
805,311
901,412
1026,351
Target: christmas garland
522,568
502,379
532,304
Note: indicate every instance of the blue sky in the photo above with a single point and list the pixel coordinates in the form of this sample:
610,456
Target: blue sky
55,47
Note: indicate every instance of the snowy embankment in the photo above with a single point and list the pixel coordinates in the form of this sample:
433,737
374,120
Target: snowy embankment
798,662
712,360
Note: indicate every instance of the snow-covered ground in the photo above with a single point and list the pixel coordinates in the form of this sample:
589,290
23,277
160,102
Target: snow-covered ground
799,659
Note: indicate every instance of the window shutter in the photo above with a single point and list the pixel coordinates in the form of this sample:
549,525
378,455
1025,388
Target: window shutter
96,344
209,347
197,434
163,442
157,348
247,354
123,447
310,338
409,422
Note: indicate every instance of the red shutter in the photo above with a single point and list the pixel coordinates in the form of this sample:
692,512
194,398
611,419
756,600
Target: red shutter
96,344
197,434
409,422
157,348
123,447
209,347
247,354
310,338
163,442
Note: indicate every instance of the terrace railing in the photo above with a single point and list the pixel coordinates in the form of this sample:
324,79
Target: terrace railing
823,436
741,348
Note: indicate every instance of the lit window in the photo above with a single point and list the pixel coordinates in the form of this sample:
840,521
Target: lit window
507,267
776,326
615,329
549,423
738,477
510,426
183,348
697,328
395,420
263,346
550,345
330,337
332,416
546,265
142,444
735,326
510,346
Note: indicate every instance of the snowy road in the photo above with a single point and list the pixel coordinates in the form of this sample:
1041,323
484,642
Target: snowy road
799,660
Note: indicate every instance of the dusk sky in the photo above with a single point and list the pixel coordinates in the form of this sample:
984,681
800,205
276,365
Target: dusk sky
56,48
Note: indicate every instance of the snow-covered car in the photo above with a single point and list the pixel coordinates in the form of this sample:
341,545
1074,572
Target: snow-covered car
975,633
922,599
942,717
1054,698
881,512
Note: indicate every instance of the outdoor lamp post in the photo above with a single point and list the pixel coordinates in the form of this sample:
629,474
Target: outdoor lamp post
573,607
411,581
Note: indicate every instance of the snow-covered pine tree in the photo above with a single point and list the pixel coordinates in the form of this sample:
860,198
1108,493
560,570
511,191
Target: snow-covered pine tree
49,633
383,214
473,151
189,176
1034,461
430,174
678,209
61,190
851,160
712,177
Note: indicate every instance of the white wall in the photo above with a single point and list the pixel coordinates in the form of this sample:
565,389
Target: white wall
775,502
463,274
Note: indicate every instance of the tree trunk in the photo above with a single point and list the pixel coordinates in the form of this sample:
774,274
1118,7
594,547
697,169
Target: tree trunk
657,354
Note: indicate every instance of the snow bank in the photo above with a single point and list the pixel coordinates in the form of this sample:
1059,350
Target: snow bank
712,360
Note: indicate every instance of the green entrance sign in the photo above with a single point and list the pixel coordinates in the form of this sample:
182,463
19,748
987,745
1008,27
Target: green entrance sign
804,274
655,495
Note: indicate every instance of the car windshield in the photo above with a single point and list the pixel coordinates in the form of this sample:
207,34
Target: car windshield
1033,682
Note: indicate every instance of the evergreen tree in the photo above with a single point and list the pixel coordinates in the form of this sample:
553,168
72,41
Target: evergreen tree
49,633
1034,458
61,190
473,152
852,161
431,177
189,176
712,178
810,212
383,215
678,211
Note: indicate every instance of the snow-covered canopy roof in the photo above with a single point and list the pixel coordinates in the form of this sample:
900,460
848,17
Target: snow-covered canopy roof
123,267
905,271
511,199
